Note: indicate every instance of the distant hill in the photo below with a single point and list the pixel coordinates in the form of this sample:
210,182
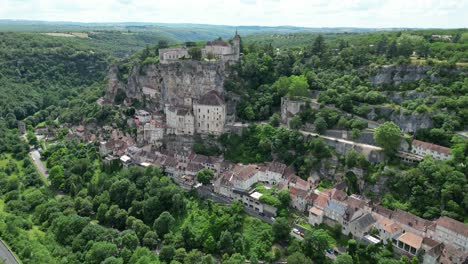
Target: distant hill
172,32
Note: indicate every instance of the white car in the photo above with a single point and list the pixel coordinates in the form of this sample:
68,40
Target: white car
296,231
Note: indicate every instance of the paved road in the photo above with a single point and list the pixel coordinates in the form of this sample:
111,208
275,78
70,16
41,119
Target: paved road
36,156
365,146
307,133
6,255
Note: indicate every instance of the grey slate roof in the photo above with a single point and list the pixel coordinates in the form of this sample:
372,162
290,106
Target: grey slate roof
365,221
211,98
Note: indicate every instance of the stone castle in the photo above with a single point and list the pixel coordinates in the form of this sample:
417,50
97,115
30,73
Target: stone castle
217,49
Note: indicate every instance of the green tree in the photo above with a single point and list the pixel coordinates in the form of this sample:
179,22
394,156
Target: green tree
298,86
344,259
281,228
162,225
180,255
284,198
225,243
275,120
204,176
388,136
163,44
100,251
319,47
56,176
295,123
150,239
298,258
320,125
315,243
167,253
195,53
210,244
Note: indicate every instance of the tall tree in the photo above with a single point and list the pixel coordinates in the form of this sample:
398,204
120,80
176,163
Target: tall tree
315,243
162,225
281,229
204,176
388,136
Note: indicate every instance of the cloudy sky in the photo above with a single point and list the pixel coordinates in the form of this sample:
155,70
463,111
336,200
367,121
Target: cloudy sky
310,13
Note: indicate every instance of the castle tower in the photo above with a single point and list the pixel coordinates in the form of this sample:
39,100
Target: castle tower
236,45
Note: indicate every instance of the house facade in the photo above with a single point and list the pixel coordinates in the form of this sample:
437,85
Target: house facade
210,114
422,148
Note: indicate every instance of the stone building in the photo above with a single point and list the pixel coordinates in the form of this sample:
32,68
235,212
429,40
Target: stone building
217,49
210,114
151,133
172,54
179,120
452,232
422,148
223,50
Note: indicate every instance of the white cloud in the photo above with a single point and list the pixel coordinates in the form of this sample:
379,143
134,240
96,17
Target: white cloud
311,13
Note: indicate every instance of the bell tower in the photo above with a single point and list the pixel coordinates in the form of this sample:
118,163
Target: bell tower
236,45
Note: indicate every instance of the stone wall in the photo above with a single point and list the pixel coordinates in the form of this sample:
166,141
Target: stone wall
292,106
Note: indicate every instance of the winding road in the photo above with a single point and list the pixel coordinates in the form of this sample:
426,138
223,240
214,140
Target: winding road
6,255
36,157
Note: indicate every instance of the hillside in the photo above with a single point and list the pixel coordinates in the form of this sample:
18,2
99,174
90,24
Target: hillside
315,132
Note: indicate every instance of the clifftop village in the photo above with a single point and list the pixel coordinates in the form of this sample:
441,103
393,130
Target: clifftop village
442,240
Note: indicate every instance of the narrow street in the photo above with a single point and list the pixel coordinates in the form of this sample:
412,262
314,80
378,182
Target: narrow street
36,157
6,256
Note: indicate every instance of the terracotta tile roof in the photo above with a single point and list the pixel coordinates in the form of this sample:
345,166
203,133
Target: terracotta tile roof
430,242
217,43
201,159
316,211
389,226
289,171
298,182
453,225
282,185
227,178
297,193
244,172
211,98
321,201
276,167
411,220
194,167
170,162
355,202
382,211
339,195
411,239
433,147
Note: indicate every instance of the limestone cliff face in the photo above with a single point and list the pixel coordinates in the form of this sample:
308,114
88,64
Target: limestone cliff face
397,74
158,84
406,121
113,84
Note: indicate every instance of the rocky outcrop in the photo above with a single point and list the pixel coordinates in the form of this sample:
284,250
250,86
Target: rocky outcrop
413,122
113,84
158,84
397,74
408,122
